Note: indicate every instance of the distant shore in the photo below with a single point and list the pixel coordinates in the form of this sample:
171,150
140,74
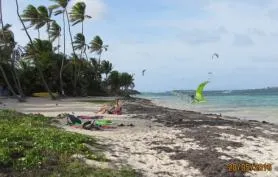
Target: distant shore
171,142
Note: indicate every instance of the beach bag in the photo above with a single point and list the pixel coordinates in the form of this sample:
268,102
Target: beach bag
71,120
89,125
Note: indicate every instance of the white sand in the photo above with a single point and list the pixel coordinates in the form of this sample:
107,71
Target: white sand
135,145
258,150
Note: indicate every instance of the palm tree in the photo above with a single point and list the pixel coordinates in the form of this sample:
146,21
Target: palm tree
7,44
114,81
98,47
31,15
44,18
77,14
61,6
55,33
106,67
33,47
126,80
37,17
95,67
80,44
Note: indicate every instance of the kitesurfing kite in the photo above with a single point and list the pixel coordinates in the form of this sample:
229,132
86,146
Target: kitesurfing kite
209,75
143,72
199,97
215,55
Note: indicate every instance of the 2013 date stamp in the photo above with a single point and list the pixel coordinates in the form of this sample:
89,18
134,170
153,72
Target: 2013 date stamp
245,167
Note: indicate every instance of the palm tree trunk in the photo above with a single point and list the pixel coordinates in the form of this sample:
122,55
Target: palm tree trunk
75,68
86,54
31,42
63,60
82,28
99,66
99,59
82,32
19,85
16,78
9,85
13,76
39,34
48,26
58,45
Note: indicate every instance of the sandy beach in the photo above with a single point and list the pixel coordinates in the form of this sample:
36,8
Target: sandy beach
169,142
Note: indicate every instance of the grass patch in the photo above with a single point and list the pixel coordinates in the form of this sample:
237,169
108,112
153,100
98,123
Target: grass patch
30,146
99,101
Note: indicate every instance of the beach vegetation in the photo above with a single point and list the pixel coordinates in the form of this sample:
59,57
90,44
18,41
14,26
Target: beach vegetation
31,146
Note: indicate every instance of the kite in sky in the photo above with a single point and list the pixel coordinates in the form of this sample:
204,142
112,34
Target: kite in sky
215,55
143,72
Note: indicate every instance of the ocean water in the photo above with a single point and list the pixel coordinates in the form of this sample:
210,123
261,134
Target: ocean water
257,104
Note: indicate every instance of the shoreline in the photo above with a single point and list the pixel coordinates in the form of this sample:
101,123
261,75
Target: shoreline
172,142
239,115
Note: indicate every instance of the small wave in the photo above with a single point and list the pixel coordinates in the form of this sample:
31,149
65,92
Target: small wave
227,91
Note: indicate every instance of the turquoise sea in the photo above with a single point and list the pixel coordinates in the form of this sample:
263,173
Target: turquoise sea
255,104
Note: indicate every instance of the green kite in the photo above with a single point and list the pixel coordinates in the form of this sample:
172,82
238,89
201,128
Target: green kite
199,97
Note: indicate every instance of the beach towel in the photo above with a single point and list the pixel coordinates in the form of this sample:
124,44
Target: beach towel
72,120
97,124
90,117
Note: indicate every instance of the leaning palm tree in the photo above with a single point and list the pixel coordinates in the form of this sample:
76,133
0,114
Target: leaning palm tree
34,49
7,45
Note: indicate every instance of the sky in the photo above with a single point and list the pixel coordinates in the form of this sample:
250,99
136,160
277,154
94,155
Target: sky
174,40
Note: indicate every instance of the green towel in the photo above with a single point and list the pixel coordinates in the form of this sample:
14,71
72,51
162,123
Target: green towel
103,122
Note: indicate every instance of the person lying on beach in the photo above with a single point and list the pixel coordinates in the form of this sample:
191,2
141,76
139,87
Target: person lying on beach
115,109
